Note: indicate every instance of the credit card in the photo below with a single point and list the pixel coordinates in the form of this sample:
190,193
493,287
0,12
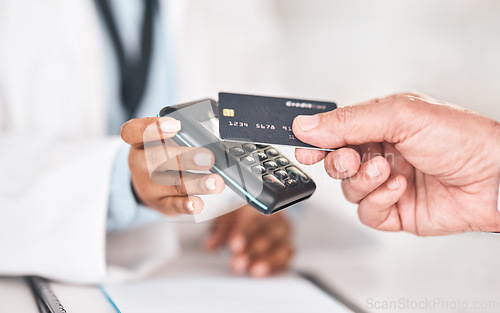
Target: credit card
264,120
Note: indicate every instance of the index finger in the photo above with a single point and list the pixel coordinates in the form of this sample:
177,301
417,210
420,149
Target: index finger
390,119
139,130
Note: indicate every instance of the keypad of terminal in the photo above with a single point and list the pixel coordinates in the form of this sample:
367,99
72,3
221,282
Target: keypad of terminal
276,170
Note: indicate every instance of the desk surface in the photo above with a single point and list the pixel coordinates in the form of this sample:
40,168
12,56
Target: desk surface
366,266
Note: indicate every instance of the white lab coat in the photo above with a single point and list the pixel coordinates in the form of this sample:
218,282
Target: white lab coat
55,156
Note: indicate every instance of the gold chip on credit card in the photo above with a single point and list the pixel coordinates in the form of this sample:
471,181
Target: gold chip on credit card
228,112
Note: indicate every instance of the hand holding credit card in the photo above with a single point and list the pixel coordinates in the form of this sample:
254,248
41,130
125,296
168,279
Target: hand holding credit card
264,120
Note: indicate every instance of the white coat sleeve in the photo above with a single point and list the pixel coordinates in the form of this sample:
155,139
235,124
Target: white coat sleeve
53,206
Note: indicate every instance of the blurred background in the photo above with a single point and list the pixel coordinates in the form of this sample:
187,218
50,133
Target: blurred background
342,51
359,50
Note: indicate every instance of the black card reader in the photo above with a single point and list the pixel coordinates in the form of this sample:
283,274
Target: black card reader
260,174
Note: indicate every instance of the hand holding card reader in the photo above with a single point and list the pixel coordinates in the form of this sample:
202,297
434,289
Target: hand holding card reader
258,173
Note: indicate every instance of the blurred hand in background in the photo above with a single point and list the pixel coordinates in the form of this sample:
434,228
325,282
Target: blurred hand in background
260,245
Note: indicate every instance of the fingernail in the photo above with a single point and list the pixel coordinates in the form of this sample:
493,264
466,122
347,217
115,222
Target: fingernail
237,244
260,270
372,170
240,265
394,184
190,206
203,159
308,122
210,183
338,164
170,126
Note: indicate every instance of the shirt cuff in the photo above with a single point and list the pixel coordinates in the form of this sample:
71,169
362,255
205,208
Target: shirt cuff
124,211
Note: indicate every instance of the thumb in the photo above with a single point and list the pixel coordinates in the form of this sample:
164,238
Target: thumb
389,119
138,131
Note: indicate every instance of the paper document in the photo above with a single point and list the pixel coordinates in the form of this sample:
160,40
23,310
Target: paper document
223,294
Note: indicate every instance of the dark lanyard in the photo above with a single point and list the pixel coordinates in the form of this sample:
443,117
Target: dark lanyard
133,73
